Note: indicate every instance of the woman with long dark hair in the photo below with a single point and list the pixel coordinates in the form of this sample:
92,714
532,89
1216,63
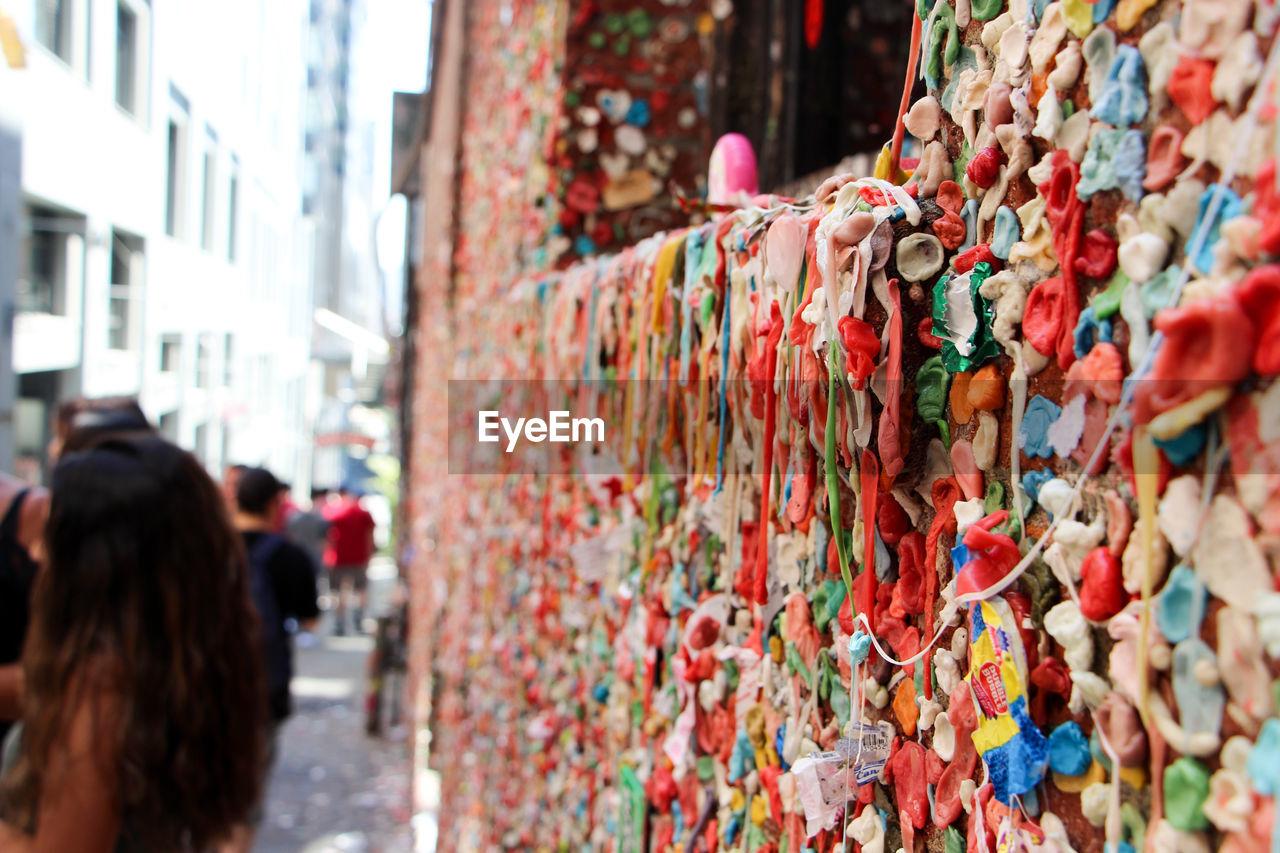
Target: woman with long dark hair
145,701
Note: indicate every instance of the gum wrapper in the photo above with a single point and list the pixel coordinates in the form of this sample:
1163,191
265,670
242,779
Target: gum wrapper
1015,750
824,780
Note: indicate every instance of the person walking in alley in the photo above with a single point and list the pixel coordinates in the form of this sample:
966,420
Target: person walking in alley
76,424
289,597
283,589
347,555
308,529
145,705
24,508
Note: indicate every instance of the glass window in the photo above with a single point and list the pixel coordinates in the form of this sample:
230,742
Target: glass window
126,264
53,27
204,355
170,353
175,195
206,231
233,205
126,58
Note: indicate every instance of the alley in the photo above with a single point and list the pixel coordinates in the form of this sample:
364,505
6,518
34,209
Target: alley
334,789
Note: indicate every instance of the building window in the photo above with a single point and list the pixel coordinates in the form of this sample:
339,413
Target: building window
176,194
169,426
170,353
126,286
127,58
233,209
201,449
210,178
228,355
53,27
42,281
204,354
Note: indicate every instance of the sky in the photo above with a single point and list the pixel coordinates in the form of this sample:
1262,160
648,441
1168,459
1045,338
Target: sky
391,56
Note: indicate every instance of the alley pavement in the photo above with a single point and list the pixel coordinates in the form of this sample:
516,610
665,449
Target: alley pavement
335,789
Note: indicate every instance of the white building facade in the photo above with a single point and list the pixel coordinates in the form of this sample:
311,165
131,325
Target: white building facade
165,251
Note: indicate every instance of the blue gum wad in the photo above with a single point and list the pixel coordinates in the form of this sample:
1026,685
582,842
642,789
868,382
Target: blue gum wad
1199,707
1007,231
1124,94
1186,446
1263,766
1033,437
742,759
1089,332
1182,605
969,213
1069,750
1228,208
1115,159
1033,480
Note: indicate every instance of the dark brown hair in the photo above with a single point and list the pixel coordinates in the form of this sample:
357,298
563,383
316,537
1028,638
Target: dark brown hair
84,421
146,596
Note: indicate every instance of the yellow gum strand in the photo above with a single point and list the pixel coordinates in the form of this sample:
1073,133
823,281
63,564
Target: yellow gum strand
1076,784
1135,777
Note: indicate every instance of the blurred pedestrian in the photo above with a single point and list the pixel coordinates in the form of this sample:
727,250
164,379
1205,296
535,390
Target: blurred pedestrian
308,529
24,508
96,416
287,600
145,705
230,481
348,553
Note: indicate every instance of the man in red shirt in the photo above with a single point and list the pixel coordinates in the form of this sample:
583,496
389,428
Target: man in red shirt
347,554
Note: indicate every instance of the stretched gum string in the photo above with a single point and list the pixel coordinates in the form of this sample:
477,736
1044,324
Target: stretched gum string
887,657
724,389
1114,825
913,56
1145,459
833,477
770,426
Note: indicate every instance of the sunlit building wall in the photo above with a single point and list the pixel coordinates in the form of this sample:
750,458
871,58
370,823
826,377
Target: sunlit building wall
165,252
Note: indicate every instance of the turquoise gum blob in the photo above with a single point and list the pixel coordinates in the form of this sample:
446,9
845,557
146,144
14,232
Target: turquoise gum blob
1124,94
1182,449
1180,607
1007,231
1033,437
1263,766
1228,208
1089,332
1069,750
1157,292
1115,159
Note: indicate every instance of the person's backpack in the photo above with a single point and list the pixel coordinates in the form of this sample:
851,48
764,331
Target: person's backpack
275,639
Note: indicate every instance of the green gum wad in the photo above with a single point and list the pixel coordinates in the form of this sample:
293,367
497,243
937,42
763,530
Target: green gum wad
1186,787
944,26
932,382
985,10
1107,303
